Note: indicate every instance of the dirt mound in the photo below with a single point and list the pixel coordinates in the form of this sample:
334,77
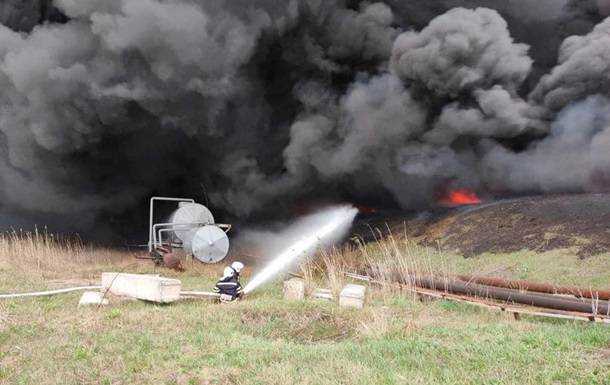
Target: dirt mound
577,221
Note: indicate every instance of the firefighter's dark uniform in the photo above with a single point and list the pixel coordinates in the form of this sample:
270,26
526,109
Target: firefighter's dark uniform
229,287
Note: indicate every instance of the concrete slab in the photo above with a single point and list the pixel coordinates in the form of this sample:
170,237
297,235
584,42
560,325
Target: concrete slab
352,296
142,286
90,298
324,294
294,289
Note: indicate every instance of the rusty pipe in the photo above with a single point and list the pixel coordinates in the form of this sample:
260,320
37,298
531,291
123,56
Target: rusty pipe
509,295
537,287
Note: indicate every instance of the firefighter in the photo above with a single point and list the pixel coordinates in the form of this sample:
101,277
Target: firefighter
228,286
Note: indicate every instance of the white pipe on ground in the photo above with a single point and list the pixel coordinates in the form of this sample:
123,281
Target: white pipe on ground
49,292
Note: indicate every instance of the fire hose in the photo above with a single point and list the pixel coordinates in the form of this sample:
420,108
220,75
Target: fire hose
49,292
192,294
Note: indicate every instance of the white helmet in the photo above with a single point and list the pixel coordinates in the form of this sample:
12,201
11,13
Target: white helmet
228,272
237,266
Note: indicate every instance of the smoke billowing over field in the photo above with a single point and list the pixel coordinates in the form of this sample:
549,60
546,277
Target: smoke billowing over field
274,103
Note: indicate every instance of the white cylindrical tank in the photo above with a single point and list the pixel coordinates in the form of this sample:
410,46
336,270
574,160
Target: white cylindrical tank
190,213
210,244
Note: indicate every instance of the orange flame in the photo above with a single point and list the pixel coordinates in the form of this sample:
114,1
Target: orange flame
366,209
460,197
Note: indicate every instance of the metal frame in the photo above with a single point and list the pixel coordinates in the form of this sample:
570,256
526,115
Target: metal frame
170,226
159,242
174,226
151,215
171,242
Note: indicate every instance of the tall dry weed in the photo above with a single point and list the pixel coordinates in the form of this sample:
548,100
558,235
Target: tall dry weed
49,256
388,259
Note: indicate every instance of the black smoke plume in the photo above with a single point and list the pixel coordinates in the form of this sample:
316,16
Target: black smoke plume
260,106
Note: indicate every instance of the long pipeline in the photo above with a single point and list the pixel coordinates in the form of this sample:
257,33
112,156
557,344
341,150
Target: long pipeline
537,287
589,306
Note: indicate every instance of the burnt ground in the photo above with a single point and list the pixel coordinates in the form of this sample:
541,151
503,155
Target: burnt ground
540,223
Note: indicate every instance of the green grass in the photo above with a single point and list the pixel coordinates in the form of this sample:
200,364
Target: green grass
561,267
267,340
264,339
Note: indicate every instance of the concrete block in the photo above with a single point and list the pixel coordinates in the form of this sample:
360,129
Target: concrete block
92,298
294,289
352,296
141,286
324,294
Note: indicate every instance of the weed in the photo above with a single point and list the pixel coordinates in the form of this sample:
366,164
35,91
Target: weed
266,340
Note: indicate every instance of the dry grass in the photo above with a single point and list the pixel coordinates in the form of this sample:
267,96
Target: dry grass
391,259
35,260
44,255
385,259
267,340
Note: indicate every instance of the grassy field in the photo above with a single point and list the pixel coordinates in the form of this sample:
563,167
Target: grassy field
267,340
